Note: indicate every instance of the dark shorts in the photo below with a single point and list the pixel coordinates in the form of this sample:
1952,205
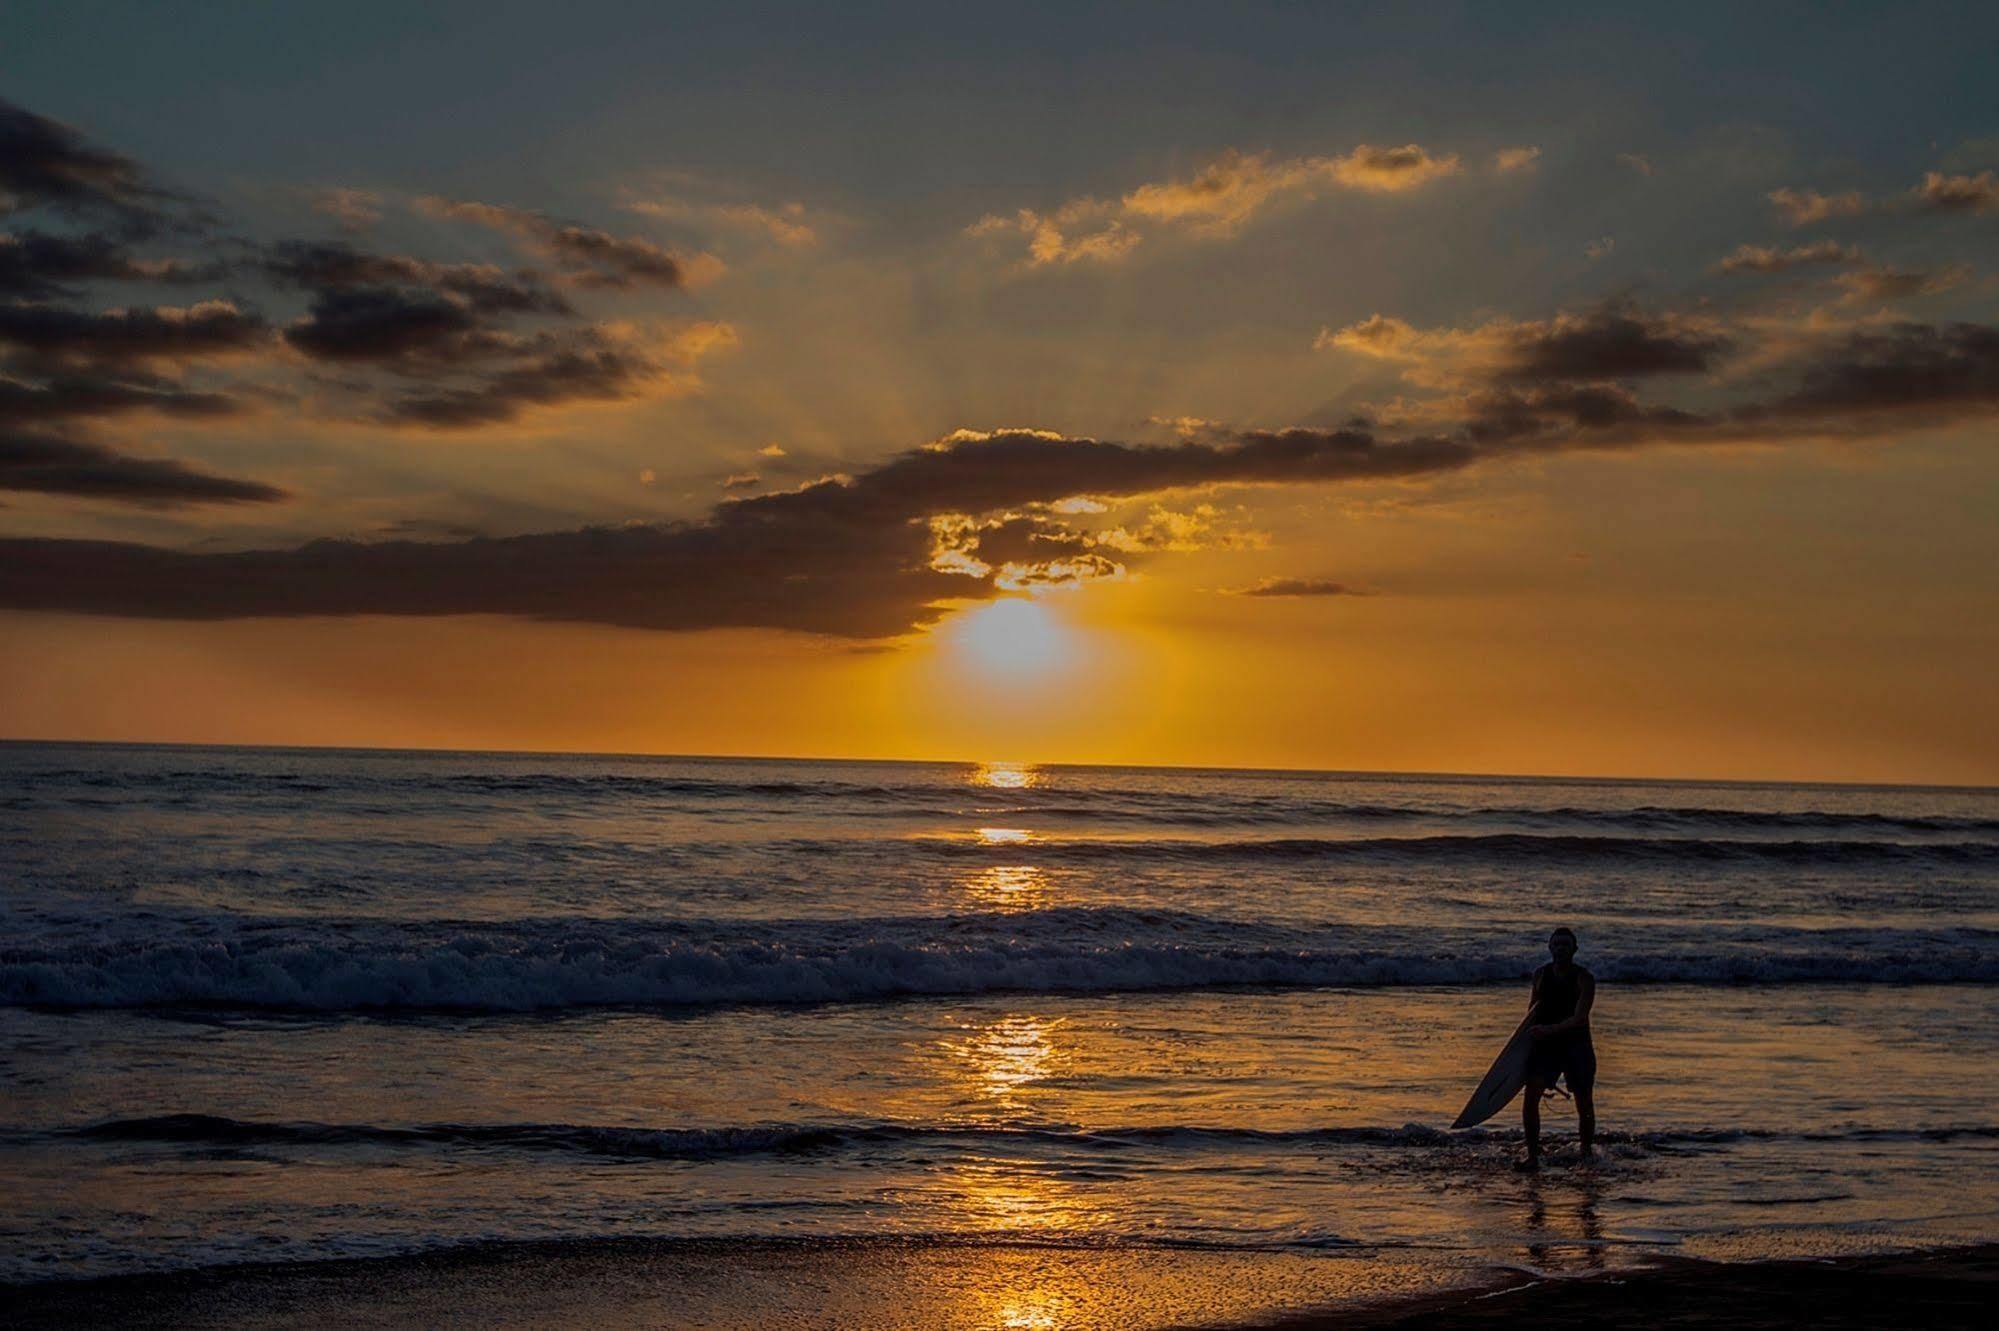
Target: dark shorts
1574,1061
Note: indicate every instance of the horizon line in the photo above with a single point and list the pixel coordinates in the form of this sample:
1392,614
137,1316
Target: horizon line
1398,774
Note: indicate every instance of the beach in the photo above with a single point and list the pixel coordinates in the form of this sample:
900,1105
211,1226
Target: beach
299,1036
896,1287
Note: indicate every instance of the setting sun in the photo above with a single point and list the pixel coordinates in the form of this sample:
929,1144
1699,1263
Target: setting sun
1017,639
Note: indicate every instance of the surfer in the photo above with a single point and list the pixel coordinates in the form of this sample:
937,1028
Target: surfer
1559,1009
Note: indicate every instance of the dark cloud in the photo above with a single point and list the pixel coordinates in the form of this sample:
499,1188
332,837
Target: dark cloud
1298,587
580,373
76,396
1596,410
329,265
1613,344
1942,371
214,327
599,258
847,582
850,559
386,324
873,556
46,162
49,464
38,265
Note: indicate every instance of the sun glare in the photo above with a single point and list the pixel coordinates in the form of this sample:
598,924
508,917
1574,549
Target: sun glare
1013,639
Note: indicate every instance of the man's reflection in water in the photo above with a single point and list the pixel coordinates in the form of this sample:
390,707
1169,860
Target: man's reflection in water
1564,1227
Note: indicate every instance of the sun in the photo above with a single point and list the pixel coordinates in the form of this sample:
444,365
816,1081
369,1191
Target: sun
1015,639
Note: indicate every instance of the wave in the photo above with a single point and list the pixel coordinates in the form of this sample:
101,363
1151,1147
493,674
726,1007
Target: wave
361,966
709,1143
1075,796
1504,847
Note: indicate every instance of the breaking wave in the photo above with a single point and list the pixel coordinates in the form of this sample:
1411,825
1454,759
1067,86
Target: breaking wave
362,966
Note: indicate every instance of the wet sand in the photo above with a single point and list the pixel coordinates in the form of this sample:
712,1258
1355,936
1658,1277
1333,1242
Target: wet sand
888,1285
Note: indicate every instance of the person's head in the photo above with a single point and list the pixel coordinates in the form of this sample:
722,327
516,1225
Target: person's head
1562,944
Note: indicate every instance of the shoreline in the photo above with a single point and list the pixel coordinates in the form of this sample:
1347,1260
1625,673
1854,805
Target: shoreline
803,1282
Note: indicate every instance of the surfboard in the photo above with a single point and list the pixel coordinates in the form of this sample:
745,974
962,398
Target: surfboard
1502,1081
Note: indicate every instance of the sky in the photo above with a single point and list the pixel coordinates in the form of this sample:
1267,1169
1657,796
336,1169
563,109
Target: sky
1583,390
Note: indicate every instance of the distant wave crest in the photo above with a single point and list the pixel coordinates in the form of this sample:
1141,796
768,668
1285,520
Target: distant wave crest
339,966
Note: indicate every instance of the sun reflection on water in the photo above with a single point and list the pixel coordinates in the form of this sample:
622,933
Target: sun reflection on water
1006,776
1007,1055
1003,836
1009,887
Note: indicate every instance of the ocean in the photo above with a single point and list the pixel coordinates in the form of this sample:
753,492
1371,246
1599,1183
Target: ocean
265,1005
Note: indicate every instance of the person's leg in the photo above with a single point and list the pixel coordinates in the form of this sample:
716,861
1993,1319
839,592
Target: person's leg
1581,1077
1530,1117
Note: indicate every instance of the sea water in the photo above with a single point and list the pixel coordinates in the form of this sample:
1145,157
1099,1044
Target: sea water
262,1005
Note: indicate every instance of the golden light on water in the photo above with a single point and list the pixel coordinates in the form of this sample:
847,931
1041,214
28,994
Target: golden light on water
1008,1055
1006,776
1009,887
1003,836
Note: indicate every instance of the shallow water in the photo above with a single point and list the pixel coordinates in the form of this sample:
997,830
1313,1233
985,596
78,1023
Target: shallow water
279,1004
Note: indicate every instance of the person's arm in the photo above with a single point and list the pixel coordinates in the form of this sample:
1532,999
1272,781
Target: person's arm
1534,1001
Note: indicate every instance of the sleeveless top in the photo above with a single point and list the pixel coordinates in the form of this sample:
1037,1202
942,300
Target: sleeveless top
1559,995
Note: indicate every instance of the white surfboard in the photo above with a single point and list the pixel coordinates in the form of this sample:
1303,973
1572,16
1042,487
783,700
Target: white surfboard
1502,1081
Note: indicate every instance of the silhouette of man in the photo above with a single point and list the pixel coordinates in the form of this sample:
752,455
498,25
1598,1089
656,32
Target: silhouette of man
1563,995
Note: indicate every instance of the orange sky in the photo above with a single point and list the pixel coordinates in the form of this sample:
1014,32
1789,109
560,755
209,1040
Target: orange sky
1405,435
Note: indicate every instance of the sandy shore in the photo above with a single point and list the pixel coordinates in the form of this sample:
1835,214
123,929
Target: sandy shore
896,1286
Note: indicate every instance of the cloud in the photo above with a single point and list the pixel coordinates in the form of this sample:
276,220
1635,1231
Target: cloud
1959,194
860,557
322,265
790,225
1378,335
599,364
451,325
1883,285
38,265
596,258
1600,247
1613,341
1939,372
70,396
354,209
210,328
849,558
1234,187
1298,587
1214,203
383,324
1516,159
1053,238
1392,170
1637,162
1803,207
1765,259
46,162
49,464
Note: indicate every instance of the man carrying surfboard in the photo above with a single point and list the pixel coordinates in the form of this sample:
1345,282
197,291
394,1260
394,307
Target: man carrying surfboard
1559,1028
